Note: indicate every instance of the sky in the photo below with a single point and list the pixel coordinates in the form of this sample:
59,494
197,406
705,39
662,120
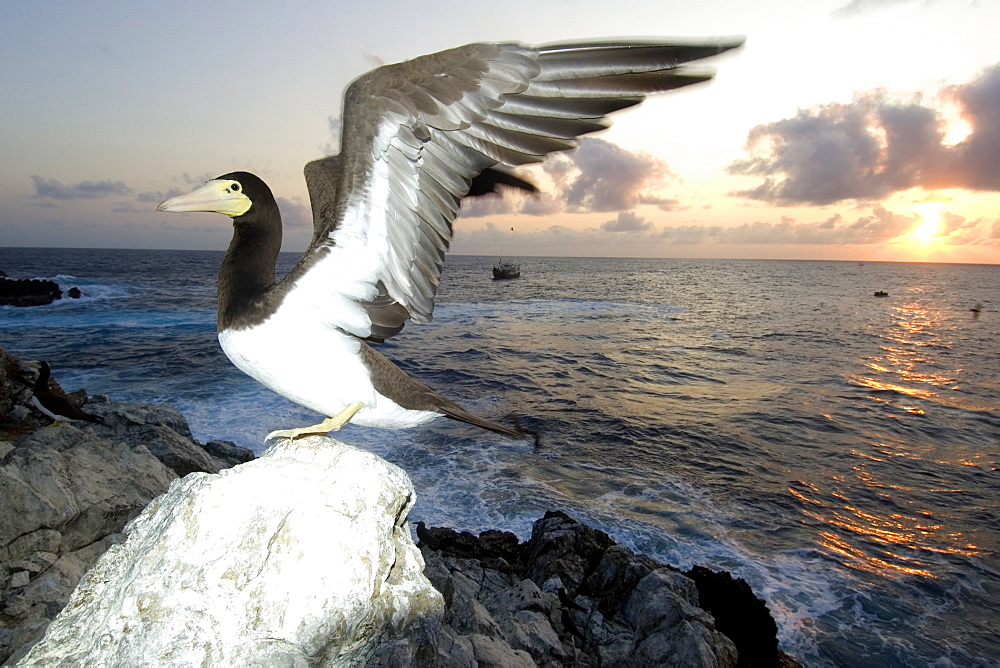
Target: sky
842,130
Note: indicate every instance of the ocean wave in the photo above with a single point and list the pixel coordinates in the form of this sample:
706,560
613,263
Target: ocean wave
70,320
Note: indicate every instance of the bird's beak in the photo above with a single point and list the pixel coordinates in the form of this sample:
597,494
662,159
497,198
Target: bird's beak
216,196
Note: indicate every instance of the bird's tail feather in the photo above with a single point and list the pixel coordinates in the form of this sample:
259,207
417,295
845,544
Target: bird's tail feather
514,432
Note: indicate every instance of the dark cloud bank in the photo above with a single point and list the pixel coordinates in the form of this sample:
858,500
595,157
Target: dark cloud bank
53,189
875,146
597,177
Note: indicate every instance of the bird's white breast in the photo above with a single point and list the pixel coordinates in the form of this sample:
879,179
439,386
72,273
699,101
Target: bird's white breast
315,366
38,404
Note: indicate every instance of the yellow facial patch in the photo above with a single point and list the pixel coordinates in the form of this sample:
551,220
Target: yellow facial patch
216,196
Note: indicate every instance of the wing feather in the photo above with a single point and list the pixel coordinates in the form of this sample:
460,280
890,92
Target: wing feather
416,134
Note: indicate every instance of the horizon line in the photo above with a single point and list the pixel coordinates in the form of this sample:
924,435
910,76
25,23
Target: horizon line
548,257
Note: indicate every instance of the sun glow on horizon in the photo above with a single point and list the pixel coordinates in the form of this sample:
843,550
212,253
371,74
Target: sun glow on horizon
930,214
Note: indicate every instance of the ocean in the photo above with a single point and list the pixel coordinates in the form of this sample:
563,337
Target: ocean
837,450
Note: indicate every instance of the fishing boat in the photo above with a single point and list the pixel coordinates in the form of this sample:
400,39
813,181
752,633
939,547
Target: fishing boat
506,269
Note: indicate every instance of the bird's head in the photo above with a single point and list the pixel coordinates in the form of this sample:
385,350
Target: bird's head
231,194
43,368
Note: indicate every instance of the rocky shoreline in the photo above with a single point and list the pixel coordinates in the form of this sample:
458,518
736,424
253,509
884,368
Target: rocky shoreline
567,596
24,292
67,493
570,595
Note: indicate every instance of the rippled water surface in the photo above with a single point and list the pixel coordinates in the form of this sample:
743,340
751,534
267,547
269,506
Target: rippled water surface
837,450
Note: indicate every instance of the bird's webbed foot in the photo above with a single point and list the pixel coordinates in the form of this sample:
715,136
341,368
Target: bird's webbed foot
326,426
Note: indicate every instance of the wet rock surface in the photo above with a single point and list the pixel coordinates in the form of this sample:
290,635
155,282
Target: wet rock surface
28,292
571,596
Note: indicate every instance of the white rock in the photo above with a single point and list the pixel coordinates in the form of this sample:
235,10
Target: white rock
299,557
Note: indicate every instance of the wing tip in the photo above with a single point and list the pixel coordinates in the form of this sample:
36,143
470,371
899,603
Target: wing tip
721,43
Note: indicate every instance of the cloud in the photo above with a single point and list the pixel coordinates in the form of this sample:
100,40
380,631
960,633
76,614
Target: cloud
596,177
951,223
875,146
879,226
855,7
294,214
627,222
975,164
197,179
955,230
53,189
610,178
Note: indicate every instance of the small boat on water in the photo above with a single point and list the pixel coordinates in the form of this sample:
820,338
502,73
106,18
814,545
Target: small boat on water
506,269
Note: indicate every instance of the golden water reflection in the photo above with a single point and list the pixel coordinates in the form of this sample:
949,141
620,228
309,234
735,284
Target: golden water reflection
920,356
887,544
890,530
878,515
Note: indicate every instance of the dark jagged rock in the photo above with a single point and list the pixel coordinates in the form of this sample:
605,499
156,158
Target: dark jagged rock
568,596
228,452
739,614
28,292
426,538
74,293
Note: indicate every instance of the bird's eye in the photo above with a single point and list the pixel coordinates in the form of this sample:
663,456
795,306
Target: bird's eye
235,187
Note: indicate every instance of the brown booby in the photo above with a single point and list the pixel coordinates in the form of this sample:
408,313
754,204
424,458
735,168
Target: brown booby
416,138
54,404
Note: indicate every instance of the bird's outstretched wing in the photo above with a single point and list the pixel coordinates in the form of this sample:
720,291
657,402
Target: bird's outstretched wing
387,316
415,136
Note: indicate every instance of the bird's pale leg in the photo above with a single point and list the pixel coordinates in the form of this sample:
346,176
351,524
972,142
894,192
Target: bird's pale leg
326,426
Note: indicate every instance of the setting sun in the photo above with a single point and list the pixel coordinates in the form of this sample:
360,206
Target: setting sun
928,229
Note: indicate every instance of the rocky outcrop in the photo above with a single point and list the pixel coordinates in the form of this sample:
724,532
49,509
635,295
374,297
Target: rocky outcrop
67,492
568,596
28,292
740,615
301,557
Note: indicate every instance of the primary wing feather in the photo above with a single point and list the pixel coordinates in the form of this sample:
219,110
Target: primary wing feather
416,134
